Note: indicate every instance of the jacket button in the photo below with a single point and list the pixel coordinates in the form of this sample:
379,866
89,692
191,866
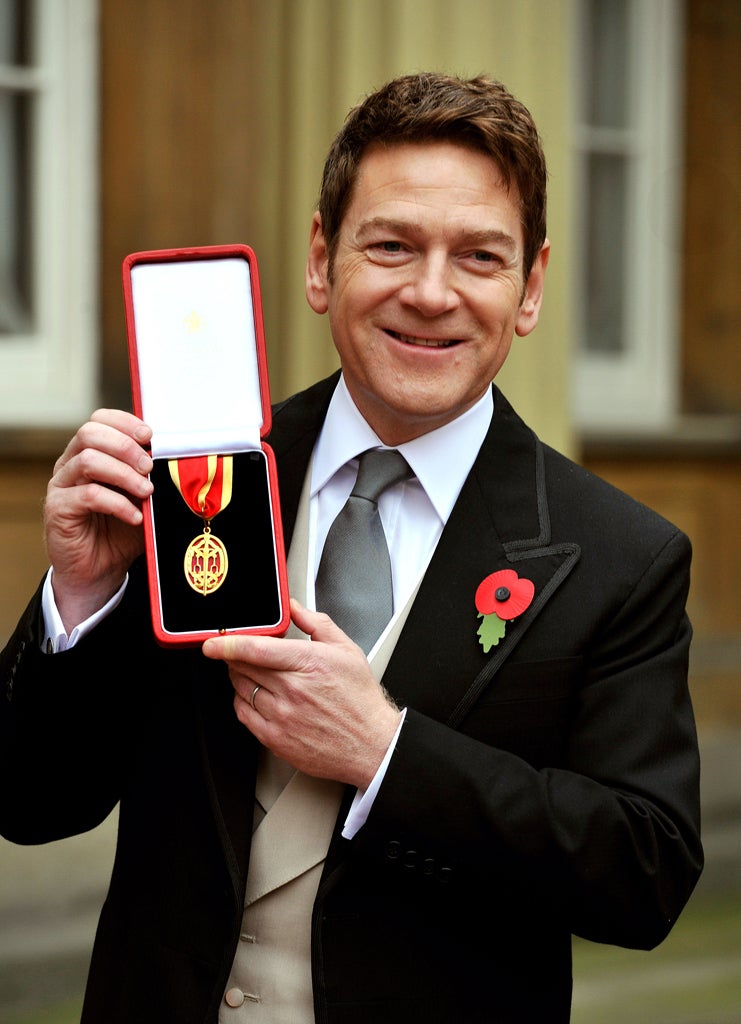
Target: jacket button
410,859
393,850
428,866
445,874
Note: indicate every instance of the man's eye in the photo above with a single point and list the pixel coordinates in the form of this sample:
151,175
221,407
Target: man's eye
389,246
484,257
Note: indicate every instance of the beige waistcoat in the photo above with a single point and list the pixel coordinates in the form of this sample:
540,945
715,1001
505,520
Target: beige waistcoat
295,814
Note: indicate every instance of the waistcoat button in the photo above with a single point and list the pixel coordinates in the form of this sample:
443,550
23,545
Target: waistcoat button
234,997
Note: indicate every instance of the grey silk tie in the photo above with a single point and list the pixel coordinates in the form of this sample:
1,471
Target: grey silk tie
353,584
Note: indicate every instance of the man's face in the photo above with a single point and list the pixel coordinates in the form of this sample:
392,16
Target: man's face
427,285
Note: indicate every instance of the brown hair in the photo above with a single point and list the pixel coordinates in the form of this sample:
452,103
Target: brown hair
478,112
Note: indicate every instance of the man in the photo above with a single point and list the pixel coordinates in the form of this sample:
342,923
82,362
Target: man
517,778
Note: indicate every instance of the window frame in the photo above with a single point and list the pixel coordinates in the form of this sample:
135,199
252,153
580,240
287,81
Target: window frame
49,373
637,388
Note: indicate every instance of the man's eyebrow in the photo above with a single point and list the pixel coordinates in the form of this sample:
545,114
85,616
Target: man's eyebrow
394,227
474,238
490,236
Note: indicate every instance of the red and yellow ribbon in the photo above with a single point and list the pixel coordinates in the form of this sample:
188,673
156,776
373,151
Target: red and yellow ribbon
204,481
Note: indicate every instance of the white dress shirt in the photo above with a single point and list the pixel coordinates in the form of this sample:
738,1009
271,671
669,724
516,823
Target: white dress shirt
413,512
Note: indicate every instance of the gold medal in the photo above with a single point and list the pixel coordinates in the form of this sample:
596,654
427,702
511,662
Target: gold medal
206,563
205,482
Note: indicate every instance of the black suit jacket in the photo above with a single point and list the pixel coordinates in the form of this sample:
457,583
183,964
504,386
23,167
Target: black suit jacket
547,788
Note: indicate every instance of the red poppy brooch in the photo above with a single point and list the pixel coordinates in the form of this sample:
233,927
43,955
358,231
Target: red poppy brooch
500,598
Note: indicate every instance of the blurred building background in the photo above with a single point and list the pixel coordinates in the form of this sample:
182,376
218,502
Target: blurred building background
135,124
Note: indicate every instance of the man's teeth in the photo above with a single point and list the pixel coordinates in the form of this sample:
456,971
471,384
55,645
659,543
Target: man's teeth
425,342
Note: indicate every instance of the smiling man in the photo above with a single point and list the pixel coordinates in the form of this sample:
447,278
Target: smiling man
428,284
488,745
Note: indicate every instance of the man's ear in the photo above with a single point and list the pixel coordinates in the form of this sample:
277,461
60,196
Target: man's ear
317,268
529,312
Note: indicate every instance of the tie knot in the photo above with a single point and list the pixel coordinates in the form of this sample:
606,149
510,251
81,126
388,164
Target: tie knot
378,470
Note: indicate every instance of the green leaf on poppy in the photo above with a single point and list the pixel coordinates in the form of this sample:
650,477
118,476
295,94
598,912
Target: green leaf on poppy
490,631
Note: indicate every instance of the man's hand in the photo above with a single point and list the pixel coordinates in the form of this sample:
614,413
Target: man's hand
93,511
318,707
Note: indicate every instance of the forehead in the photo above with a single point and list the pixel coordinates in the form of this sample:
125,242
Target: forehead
433,180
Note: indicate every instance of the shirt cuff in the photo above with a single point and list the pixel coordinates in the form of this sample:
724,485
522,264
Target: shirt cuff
361,805
56,638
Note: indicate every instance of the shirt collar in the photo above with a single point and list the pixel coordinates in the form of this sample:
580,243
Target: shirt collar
441,459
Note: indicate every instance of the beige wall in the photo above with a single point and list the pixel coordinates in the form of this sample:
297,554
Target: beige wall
320,57
22,487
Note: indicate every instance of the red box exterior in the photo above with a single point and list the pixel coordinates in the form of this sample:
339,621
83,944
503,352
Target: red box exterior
196,637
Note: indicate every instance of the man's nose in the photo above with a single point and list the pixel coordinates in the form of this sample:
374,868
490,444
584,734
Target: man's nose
431,287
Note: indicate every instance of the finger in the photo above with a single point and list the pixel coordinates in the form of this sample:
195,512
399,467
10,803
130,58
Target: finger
252,705
252,655
114,432
71,504
318,625
126,422
95,466
96,483
243,684
254,649
252,693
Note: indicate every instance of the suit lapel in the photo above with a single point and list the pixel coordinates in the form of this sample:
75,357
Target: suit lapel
500,521
296,424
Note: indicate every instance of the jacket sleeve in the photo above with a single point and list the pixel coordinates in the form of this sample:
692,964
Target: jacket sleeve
67,722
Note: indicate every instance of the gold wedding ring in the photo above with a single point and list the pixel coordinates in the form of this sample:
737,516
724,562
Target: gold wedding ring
252,698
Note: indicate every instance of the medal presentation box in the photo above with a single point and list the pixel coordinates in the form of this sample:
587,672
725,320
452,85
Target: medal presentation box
214,542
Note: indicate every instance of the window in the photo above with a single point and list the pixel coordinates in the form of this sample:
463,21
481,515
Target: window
628,199
47,211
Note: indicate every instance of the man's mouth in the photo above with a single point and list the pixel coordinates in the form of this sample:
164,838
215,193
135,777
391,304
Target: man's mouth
409,339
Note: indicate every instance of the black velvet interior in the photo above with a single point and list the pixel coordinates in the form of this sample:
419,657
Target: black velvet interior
249,597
